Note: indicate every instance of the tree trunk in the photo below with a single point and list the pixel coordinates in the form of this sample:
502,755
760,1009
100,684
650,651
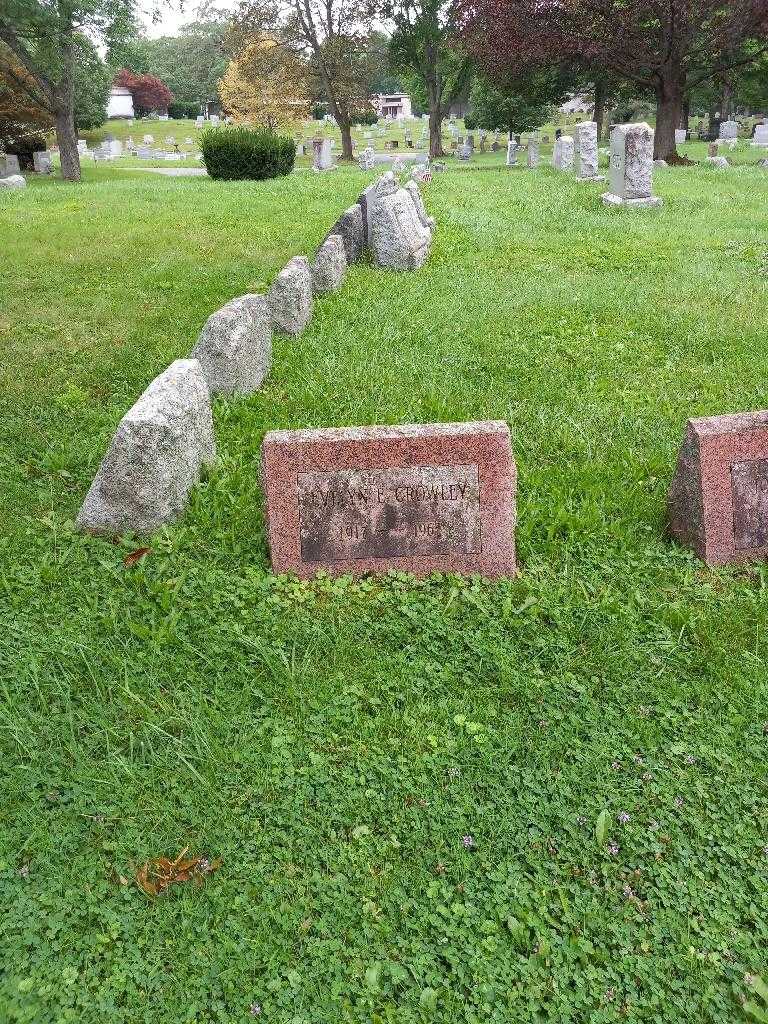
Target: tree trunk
601,94
64,111
726,101
434,100
66,136
345,127
686,114
669,110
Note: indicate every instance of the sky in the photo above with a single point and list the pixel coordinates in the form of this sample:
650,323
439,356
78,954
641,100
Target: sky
172,18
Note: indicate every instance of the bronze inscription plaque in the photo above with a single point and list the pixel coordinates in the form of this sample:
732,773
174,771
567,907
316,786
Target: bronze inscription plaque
389,513
750,503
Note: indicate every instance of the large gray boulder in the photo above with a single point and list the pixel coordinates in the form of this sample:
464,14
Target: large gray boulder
290,297
350,227
154,459
235,346
399,239
412,189
330,265
13,181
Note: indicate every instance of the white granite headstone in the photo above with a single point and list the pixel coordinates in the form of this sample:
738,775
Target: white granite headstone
586,151
631,167
562,154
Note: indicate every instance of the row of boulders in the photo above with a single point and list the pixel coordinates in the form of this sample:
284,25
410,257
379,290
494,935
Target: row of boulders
161,444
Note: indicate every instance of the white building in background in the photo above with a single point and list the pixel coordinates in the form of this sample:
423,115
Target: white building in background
120,102
396,104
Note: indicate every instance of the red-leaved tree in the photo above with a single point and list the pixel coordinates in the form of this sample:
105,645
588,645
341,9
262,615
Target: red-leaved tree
148,92
667,46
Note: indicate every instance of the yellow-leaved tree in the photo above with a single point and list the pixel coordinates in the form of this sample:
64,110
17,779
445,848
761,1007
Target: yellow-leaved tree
266,84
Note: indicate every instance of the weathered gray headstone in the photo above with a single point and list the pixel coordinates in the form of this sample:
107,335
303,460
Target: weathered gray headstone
631,167
367,159
330,265
235,346
12,181
562,154
11,164
399,240
322,158
155,456
41,159
534,153
586,151
351,227
760,138
729,130
290,297
721,162
511,153
681,136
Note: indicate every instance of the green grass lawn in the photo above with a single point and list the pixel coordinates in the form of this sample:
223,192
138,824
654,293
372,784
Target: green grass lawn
334,741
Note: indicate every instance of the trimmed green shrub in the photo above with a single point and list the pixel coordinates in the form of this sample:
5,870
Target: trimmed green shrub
236,153
470,123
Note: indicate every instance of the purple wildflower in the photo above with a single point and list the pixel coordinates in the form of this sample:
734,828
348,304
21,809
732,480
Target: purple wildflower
613,848
623,818
468,842
678,801
255,1010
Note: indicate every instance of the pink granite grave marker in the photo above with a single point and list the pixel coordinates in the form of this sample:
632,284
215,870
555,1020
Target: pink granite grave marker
718,500
417,498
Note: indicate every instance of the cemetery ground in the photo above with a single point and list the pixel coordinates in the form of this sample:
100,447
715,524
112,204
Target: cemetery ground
541,799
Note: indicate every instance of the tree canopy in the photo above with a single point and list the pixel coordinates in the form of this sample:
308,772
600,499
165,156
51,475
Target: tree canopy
667,46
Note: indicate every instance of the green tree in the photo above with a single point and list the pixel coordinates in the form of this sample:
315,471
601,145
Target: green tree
425,45
520,104
43,36
191,63
93,79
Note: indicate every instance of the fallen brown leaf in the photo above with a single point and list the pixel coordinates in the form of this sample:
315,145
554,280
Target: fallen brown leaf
135,556
156,875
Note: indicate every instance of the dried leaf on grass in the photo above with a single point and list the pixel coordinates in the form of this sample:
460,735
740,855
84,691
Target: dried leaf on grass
135,556
156,875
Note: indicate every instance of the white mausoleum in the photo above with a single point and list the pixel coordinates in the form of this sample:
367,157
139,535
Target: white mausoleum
392,105
120,102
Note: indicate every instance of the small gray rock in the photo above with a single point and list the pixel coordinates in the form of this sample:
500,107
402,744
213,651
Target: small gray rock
154,459
235,346
718,161
13,181
400,241
290,297
413,191
660,163
350,227
330,265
